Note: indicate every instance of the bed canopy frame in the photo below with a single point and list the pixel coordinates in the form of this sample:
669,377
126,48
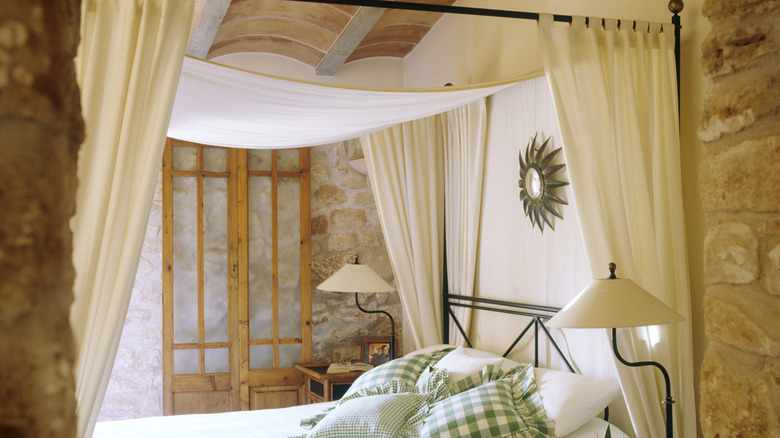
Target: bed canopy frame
675,7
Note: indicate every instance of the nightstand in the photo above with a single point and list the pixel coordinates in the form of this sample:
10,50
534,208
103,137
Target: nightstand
320,386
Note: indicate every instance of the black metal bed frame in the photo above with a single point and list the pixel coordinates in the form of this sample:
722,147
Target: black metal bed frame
536,314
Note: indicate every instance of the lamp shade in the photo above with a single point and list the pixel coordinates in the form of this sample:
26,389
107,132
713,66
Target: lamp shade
355,278
614,302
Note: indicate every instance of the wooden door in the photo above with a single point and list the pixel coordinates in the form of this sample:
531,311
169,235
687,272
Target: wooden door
236,294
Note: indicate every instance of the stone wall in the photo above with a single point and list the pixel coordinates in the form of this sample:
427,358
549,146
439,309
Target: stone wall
344,224
135,389
40,133
740,189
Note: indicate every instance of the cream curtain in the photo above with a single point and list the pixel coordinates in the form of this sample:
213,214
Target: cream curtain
615,95
404,165
413,168
465,133
128,67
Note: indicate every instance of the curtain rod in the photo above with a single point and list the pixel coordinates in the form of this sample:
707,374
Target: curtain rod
675,6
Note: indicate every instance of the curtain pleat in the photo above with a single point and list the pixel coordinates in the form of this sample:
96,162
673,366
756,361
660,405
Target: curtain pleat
128,67
404,165
615,95
465,134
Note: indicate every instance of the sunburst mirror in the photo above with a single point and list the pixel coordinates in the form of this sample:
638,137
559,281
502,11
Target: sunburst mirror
538,186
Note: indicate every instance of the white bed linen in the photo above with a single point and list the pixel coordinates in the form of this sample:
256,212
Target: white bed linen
268,423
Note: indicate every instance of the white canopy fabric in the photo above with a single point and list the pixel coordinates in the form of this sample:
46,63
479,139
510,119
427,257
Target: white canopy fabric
224,106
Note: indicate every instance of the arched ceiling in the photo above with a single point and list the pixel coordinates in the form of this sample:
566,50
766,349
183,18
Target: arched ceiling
324,36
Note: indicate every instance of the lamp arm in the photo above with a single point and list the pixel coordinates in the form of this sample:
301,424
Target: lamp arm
392,324
668,399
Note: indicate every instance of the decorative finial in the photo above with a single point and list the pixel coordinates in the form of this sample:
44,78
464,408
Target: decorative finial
612,267
676,6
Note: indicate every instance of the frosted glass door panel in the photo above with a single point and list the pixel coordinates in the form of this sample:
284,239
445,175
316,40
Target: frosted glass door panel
260,258
289,258
261,356
185,261
185,158
215,259
289,355
185,361
217,360
259,159
287,160
215,160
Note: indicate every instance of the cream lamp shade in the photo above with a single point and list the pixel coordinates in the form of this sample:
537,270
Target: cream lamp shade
614,302
355,278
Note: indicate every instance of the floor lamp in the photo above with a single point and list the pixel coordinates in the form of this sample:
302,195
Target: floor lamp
619,302
357,278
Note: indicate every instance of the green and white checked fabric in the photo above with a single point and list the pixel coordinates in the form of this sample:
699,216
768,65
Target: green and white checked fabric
488,373
433,382
407,369
528,401
486,411
376,416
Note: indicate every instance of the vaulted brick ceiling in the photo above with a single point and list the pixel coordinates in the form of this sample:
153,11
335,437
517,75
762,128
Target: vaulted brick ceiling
324,36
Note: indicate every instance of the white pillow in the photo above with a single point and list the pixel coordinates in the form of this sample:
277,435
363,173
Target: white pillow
571,400
426,350
463,362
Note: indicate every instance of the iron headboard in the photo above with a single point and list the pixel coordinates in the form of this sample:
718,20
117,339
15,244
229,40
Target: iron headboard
535,312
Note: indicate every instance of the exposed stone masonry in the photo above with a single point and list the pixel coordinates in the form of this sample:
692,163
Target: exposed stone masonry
740,189
40,132
345,224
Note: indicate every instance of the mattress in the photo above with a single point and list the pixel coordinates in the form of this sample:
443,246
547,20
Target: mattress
266,423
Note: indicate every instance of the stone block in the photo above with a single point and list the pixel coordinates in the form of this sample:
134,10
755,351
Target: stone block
342,241
732,110
735,48
348,219
319,225
773,273
354,181
744,318
369,239
730,254
735,400
364,198
719,10
743,177
319,173
328,194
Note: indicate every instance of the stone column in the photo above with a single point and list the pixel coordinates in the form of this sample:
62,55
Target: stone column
40,133
740,188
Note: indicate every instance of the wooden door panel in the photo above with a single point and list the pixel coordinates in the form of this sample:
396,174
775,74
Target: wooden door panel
274,397
210,402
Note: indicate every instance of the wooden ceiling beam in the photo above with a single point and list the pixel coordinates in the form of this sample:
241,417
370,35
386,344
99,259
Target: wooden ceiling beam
357,28
206,29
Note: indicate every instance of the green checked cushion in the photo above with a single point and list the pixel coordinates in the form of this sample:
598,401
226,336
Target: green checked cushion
406,369
376,416
507,407
528,400
488,373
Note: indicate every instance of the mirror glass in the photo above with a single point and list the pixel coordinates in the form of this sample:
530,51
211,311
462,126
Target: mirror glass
533,183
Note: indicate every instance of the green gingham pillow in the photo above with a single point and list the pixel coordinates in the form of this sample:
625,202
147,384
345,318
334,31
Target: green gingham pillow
406,369
376,416
528,401
488,373
508,407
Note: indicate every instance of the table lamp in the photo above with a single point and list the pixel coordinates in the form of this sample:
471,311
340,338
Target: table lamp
357,278
619,302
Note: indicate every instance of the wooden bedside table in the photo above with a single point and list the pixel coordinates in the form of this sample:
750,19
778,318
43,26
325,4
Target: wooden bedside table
320,386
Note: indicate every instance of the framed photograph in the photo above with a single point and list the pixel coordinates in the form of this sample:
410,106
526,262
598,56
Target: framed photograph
376,351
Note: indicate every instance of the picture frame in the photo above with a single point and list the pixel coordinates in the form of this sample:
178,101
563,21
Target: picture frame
375,351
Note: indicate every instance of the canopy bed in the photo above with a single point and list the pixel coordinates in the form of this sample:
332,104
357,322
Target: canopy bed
615,99
571,403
